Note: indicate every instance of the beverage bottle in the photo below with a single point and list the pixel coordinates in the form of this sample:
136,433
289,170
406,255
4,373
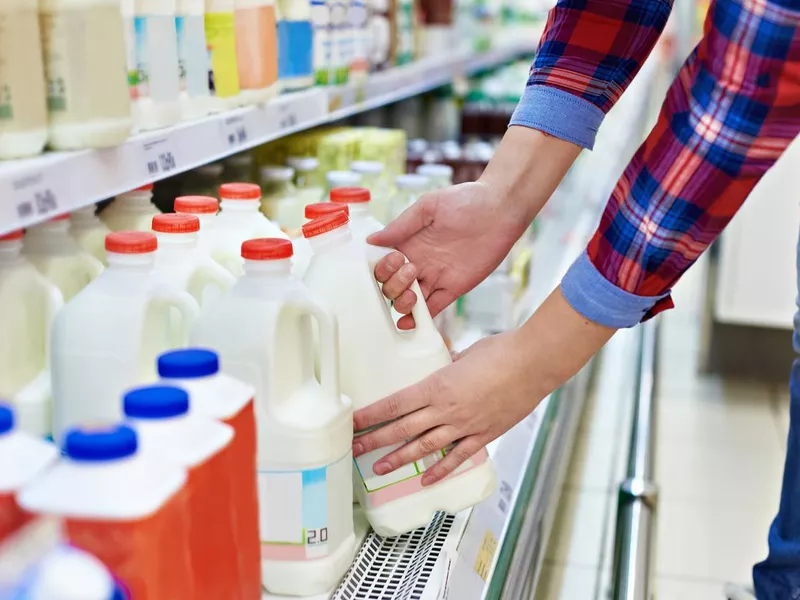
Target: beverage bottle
131,211
358,201
89,231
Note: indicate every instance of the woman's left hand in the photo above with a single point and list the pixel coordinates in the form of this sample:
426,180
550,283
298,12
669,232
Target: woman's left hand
487,391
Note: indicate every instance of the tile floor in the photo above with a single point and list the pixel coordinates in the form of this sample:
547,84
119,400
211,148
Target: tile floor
719,460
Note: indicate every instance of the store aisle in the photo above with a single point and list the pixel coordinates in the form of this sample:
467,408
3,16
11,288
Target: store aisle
719,462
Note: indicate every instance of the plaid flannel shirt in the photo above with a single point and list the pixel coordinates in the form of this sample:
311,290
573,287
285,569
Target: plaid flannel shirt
728,116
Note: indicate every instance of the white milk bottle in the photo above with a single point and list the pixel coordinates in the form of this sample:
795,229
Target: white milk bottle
262,330
409,188
90,232
153,72
302,249
205,208
28,303
337,179
239,219
373,178
279,198
358,200
378,360
439,176
219,396
108,337
307,178
193,59
131,211
22,458
23,108
122,506
84,58
51,249
160,416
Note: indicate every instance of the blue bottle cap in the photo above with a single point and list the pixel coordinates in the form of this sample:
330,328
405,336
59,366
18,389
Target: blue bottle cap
119,592
188,364
88,444
156,402
6,418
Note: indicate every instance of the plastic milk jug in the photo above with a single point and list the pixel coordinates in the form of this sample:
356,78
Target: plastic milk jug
160,416
378,360
108,337
263,331
22,458
90,232
362,223
302,249
131,211
67,573
58,256
239,219
29,303
181,261
124,507
219,396
205,208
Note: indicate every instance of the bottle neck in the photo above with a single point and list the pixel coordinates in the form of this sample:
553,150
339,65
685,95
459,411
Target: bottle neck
84,217
135,202
176,244
330,239
10,252
358,210
50,234
127,262
240,206
271,269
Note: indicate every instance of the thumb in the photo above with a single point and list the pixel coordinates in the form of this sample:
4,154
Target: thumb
411,221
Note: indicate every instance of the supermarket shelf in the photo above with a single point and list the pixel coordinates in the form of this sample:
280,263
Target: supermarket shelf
33,190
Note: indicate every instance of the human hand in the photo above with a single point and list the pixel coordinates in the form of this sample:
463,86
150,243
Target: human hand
453,239
479,397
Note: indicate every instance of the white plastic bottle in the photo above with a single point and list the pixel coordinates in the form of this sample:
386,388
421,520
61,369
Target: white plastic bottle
302,249
223,75
219,396
160,416
358,200
337,179
28,303
378,360
53,251
295,45
439,176
107,339
116,504
67,573
87,89
153,70
131,211
373,178
89,231
193,63
307,179
182,262
257,50
239,219
279,198
23,109
204,208
262,330
409,188
22,458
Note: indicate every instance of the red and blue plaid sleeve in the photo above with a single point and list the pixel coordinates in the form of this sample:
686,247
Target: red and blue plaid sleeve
588,54
728,116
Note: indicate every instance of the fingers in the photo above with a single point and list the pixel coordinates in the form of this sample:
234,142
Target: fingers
398,283
458,455
411,221
405,302
406,322
388,266
396,432
428,443
393,407
437,302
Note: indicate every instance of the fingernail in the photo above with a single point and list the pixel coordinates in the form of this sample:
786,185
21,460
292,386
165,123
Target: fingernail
407,272
428,479
358,449
382,468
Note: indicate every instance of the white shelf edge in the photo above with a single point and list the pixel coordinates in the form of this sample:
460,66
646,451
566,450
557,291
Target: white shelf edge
36,189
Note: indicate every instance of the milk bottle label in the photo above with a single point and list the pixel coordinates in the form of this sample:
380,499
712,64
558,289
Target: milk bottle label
321,23
305,515
406,480
221,39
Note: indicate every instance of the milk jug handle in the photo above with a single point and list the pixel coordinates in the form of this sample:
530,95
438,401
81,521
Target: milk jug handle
328,343
218,275
423,322
185,303
91,265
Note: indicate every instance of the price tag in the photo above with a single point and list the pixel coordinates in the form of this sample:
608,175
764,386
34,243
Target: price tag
505,491
287,116
35,198
485,558
234,131
160,157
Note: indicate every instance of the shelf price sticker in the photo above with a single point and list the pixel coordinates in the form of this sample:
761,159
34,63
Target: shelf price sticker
36,199
288,115
235,131
485,558
160,158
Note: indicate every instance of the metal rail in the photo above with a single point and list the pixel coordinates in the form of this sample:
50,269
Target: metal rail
638,494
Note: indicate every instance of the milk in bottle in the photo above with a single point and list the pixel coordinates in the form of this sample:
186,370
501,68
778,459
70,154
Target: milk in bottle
131,211
262,330
53,251
125,508
90,232
28,303
108,337
302,249
378,360
358,200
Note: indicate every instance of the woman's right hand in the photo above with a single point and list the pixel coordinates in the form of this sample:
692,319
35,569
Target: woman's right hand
453,239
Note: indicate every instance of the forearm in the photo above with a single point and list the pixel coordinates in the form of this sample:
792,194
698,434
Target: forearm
526,169
554,344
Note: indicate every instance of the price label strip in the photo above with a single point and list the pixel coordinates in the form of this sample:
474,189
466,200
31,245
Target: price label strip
235,132
35,198
160,157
